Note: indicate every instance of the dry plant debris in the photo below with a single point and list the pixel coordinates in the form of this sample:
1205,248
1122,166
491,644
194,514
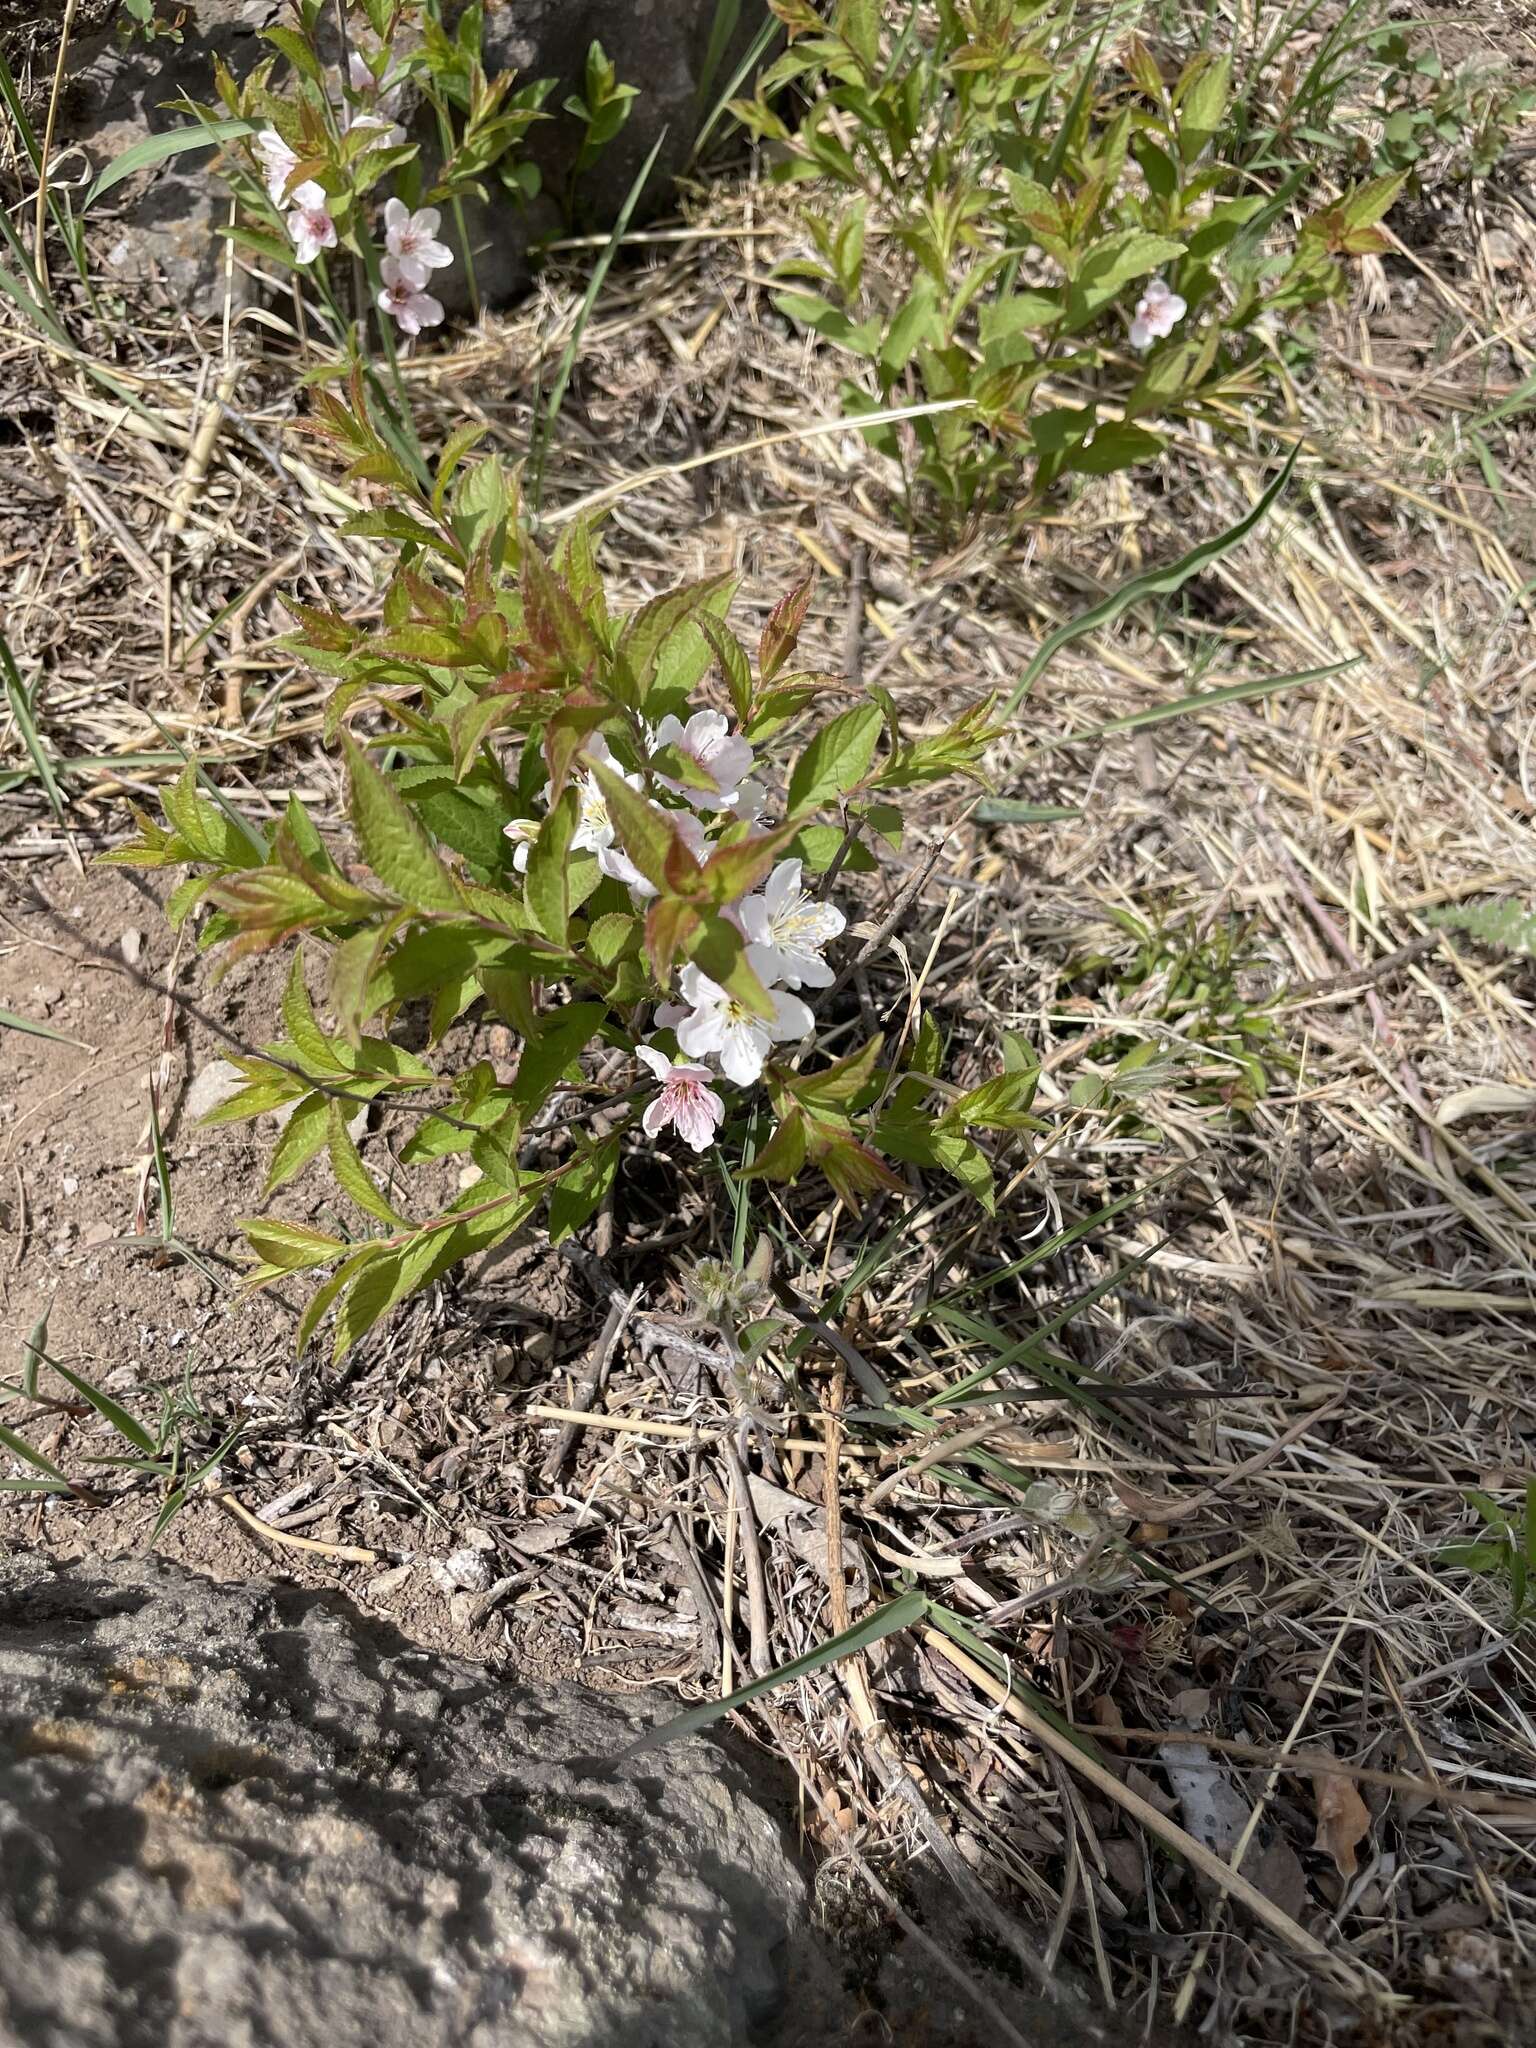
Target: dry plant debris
1206,1511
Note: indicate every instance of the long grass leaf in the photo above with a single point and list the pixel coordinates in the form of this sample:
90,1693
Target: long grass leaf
20,700
109,1410
1154,583
10,1021
20,1448
1202,700
749,63
567,360
32,1352
904,1612
154,149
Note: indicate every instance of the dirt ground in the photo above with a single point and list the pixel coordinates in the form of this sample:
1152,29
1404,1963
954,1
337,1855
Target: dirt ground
416,1452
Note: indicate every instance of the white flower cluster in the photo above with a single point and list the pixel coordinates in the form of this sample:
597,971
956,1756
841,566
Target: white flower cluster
412,250
786,928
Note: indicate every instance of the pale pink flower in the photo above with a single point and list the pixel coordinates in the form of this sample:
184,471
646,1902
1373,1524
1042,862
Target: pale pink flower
411,239
278,164
686,1100
792,928
1158,312
310,225
405,303
725,758
359,74
717,1022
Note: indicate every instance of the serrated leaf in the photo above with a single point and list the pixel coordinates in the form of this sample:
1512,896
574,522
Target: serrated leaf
352,1176
299,1140
392,841
837,759
292,1247
546,886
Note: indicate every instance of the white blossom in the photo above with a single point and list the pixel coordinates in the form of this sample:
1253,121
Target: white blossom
310,226
792,928
278,164
719,1023
411,239
405,302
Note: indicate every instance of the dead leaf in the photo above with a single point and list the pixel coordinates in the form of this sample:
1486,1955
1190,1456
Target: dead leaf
1110,1720
1343,1818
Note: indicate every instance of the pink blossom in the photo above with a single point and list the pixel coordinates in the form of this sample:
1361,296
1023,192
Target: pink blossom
411,239
1158,312
725,758
686,1100
405,302
310,224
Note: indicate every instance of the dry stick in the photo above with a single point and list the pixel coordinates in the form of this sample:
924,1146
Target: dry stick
40,225
620,1309
752,1557
349,1553
1312,1764
1360,1980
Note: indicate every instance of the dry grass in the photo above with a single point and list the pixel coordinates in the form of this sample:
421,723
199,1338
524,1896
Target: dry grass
1321,1329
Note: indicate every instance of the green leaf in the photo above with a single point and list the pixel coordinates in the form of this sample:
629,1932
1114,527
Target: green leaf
1504,921
646,833
1206,700
392,842
290,1246
547,1054
579,1192
1112,264
1203,104
20,1448
1115,445
546,887
109,1410
905,1612
298,1142
352,1176
10,1021
837,759
1006,325
154,149
1154,583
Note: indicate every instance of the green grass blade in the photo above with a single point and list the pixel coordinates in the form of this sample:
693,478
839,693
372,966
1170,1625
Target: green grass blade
567,360
904,1612
749,63
20,1448
154,149
10,1021
32,1352
20,700
1154,583
109,1410
1012,810
1203,700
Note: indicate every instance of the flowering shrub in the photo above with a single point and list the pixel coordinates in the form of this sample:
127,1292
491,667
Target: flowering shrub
318,150
1027,181
639,883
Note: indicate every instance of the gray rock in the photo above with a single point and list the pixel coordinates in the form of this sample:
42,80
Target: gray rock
164,225
242,1816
